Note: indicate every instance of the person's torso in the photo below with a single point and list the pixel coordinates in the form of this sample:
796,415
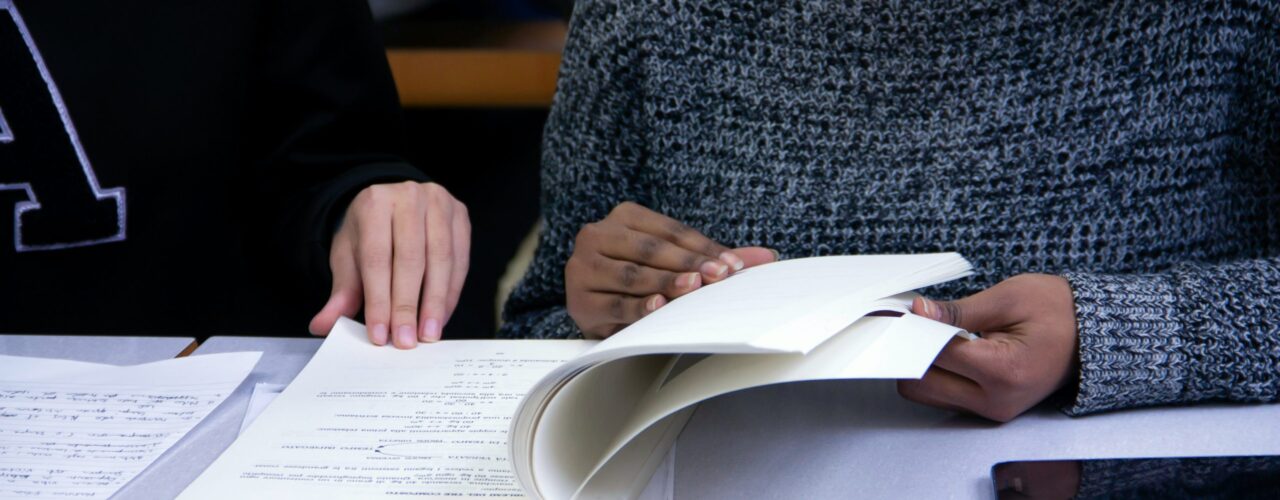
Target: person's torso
1029,136
123,164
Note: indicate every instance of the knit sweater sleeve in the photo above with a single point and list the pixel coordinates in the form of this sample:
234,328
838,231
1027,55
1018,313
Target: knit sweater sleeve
1198,332
1208,477
592,144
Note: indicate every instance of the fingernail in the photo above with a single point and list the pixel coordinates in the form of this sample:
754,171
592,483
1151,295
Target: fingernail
931,310
655,302
380,334
405,337
430,330
776,256
732,260
714,269
688,281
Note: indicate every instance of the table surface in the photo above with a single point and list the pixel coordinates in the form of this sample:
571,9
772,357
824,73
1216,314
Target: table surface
838,439
811,440
95,348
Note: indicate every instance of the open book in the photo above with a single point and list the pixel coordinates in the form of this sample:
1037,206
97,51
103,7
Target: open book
565,419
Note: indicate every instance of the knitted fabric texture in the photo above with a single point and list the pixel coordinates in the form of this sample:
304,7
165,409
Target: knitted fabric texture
1133,147
1202,478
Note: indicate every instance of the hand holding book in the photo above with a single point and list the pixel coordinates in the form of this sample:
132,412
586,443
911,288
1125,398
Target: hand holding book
636,260
1027,350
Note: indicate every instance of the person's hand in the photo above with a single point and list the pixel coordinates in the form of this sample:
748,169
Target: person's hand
636,260
1027,350
402,252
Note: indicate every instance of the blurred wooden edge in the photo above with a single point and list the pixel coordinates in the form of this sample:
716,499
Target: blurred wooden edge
474,77
189,349
475,64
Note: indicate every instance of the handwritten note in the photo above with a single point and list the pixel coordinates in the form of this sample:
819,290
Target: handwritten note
70,429
363,421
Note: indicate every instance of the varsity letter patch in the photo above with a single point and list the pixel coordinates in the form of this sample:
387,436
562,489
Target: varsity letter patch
41,155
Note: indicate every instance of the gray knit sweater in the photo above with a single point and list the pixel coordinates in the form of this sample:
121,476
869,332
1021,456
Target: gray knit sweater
1131,146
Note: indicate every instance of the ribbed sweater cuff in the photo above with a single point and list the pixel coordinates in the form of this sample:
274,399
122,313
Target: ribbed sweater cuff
1131,342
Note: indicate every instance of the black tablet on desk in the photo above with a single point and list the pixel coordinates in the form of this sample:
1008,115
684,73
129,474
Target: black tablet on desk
1241,477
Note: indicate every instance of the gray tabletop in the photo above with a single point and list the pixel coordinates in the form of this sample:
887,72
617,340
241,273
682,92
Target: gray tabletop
108,349
814,440
843,439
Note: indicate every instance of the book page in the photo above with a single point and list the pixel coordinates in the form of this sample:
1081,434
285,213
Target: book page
584,418
787,306
873,347
364,421
70,429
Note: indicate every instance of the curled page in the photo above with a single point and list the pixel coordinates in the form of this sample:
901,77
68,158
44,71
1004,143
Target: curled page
788,308
871,348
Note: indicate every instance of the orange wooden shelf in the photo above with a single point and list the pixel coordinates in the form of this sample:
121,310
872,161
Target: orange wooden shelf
505,65
474,77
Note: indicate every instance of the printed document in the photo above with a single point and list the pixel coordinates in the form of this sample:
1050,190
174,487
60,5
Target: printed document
364,421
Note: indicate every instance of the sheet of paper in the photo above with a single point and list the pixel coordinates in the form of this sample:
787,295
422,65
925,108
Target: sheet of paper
263,395
70,429
788,306
872,348
663,484
363,421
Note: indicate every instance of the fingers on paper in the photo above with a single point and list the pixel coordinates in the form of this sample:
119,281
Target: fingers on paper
346,295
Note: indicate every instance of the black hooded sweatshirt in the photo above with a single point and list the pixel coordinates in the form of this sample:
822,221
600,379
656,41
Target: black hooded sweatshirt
178,167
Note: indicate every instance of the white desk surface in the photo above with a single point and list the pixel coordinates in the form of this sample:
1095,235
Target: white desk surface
858,439
108,349
816,440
